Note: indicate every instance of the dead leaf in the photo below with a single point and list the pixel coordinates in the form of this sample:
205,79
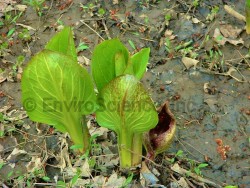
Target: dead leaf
220,39
115,2
82,182
35,163
229,31
83,60
206,87
189,62
3,77
4,4
100,131
195,20
13,157
115,181
236,42
15,115
169,34
182,183
98,181
7,144
84,166
21,8
176,168
4,109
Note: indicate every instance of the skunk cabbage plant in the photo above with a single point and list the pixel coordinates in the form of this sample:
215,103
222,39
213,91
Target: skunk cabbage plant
57,91
127,109
125,106
247,10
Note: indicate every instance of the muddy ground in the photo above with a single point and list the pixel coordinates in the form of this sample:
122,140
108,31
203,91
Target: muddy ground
210,98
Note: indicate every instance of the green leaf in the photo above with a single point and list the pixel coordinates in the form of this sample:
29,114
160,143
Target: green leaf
57,91
103,61
63,42
131,44
127,109
82,46
202,165
45,178
74,179
1,117
197,171
1,134
11,31
126,105
128,180
179,153
140,61
247,4
61,184
1,165
73,147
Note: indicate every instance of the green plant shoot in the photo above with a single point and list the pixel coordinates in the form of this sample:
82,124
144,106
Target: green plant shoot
57,91
247,10
111,59
127,109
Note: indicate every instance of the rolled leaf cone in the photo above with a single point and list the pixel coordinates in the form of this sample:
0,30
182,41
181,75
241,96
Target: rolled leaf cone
158,139
247,11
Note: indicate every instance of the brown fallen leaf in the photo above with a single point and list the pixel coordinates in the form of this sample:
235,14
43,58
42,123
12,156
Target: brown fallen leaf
229,31
169,34
195,20
20,8
115,181
183,183
189,62
7,144
220,39
176,168
35,163
3,77
15,154
115,2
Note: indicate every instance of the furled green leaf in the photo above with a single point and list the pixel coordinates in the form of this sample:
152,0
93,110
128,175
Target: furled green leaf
140,61
120,64
103,61
126,106
63,42
58,91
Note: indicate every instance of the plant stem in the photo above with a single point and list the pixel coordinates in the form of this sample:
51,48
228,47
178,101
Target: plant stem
130,149
137,149
86,135
124,147
247,10
79,133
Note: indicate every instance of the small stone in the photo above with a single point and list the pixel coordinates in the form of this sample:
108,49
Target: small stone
162,88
